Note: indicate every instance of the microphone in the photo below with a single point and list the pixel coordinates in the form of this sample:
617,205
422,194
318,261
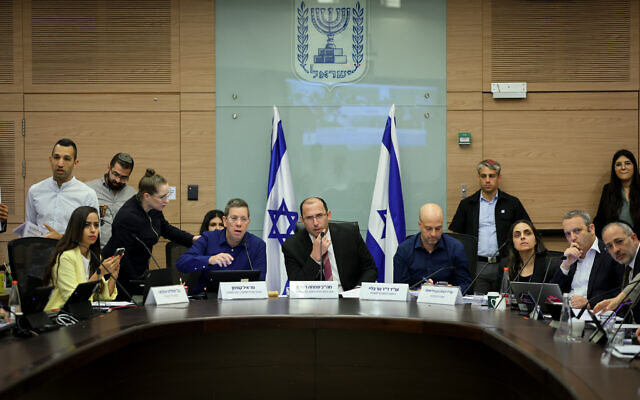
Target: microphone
147,249
426,278
623,318
518,274
244,241
534,314
118,284
608,292
482,269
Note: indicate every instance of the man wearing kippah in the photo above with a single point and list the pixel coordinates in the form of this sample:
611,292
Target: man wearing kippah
488,214
112,191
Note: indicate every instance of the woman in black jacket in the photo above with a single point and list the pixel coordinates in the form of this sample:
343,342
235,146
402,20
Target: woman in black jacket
620,200
139,225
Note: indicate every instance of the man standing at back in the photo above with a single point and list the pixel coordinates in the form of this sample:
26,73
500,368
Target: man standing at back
112,191
326,251
488,214
50,202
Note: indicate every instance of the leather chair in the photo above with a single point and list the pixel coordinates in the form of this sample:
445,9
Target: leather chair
173,251
470,244
28,259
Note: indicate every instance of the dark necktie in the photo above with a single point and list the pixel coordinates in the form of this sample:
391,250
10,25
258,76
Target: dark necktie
326,265
625,276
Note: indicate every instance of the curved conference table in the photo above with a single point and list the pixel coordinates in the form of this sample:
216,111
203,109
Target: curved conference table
281,348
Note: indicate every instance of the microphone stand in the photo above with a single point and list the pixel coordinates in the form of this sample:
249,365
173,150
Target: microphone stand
321,269
535,315
244,241
483,268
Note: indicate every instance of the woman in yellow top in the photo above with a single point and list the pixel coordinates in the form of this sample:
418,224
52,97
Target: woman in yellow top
72,263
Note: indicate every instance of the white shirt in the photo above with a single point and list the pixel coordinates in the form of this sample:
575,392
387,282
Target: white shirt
53,205
85,264
580,282
332,258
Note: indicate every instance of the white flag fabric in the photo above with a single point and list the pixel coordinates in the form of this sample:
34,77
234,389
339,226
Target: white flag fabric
386,219
280,216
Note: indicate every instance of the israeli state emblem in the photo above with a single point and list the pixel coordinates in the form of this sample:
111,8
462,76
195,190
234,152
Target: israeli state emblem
330,42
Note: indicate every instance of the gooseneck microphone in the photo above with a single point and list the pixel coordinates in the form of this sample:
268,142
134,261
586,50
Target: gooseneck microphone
482,269
244,241
118,284
534,314
518,274
426,278
147,249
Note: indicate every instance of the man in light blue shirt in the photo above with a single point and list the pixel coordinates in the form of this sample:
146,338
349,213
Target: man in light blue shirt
488,215
50,202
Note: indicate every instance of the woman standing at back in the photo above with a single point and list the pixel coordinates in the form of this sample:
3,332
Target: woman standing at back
138,226
620,200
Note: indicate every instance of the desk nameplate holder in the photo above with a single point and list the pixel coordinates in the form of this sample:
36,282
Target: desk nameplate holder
313,290
384,291
242,290
447,295
164,295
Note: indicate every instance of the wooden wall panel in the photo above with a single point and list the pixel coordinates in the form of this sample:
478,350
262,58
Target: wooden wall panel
11,155
462,160
152,139
557,101
102,102
555,161
87,46
464,45
561,45
11,63
197,46
197,154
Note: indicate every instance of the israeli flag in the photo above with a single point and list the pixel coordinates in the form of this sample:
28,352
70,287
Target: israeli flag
280,216
386,219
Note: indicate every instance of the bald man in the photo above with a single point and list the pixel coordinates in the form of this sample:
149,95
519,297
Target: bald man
426,252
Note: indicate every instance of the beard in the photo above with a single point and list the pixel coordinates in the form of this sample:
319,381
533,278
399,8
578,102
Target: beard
112,184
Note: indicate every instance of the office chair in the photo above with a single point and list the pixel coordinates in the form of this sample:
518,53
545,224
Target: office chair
28,259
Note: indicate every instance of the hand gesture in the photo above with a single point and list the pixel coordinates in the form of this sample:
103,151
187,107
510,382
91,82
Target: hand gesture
53,234
320,246
221,259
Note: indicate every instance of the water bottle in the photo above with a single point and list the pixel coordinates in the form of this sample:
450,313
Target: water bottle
504,287
563,331
14,302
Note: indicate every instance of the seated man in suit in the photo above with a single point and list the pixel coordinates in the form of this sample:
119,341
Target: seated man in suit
327,251
428,251
231,248
589,273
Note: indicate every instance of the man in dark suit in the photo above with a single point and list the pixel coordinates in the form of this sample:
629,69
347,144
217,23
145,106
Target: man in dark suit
488,214
327,251
589,273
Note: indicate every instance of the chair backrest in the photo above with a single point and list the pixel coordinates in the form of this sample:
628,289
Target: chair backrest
470,244
553,253
28,258
173,252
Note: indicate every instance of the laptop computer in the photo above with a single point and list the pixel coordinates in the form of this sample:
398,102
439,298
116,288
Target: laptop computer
543,290
245,275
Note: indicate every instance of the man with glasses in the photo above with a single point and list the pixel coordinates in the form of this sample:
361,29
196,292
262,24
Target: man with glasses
50,202
622,244
231,248
589,273
112,191
327,251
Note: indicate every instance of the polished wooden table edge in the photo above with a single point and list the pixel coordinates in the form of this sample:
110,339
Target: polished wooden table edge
518,351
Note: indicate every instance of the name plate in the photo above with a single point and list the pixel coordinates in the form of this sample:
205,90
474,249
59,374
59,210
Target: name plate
313,290
448,295
242,290
384,291
163,295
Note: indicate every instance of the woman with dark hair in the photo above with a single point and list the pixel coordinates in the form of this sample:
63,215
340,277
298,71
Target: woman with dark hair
212,221
620,200
524,246
73,262
138,226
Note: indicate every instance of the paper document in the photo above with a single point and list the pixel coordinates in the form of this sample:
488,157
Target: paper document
351,294
29,229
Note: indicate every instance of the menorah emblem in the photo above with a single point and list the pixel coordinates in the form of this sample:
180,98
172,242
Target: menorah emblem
329,24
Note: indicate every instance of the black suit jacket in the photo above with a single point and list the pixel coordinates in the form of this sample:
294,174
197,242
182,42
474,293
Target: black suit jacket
355,264
605,279
508,210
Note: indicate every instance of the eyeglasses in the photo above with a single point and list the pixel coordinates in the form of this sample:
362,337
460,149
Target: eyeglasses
118,176
94,224
163,197
619,164
234,219
310,218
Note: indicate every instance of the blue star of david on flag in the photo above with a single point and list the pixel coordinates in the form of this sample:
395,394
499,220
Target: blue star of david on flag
383,215
275,215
